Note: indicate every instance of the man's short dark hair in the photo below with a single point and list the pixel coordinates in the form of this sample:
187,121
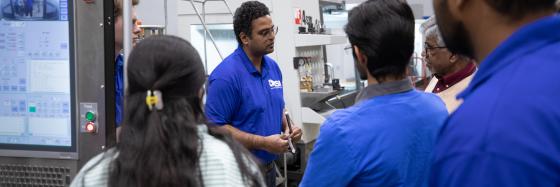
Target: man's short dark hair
517,9
383,30
244,16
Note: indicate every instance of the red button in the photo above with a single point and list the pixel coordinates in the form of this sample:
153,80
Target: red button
90,127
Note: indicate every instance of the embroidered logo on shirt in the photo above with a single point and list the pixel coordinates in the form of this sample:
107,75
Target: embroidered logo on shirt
274,84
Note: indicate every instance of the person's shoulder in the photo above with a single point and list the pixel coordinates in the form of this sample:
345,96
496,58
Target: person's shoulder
384,112
540,64
432,101
211,143
218,164
228,68
342,119
96,171
101,160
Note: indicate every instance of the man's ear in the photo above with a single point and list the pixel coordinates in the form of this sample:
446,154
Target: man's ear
457,6
453,58
362,59
244,38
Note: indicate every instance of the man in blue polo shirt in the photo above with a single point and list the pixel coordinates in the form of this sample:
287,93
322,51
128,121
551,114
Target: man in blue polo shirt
387,138
507,132
245,91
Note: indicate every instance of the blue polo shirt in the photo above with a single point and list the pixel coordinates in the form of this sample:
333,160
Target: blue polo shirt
384,140
251,101
507,131
119,89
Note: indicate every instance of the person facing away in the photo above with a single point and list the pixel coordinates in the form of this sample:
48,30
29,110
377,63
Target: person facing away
452,72
165,140
506,132
387,137
245,94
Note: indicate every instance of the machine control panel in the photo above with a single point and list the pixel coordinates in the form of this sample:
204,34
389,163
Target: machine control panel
88,112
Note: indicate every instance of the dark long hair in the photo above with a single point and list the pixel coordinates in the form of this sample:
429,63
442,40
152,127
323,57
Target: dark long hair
162,147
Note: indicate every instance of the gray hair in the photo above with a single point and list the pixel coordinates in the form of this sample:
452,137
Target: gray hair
430,29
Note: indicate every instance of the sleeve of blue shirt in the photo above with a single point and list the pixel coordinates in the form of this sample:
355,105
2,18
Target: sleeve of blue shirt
485,169
221,102
330,163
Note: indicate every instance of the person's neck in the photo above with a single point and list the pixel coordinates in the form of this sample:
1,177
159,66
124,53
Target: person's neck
117,51
458,66
487,40
373,81
256,59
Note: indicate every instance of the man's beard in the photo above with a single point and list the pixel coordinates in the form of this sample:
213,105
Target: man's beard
453,32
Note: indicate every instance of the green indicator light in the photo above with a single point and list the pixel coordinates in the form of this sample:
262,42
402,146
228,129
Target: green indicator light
90,116
32,109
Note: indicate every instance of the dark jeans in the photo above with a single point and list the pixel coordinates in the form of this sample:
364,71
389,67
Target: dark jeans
270,177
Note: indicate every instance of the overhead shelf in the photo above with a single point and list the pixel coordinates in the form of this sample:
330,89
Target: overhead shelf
305,40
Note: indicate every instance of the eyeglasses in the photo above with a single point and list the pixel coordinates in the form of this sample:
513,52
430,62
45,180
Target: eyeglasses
269,32
427,49
348,50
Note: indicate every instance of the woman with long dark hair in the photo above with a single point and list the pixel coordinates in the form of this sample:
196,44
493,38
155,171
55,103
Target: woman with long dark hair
164,139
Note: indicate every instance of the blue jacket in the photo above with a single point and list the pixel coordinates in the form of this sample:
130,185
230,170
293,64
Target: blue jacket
507,131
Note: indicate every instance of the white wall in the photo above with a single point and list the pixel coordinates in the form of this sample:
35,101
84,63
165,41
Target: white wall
425,6
216,12
181,14
151,12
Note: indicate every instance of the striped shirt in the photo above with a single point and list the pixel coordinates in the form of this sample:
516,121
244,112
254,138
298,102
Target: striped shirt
217,164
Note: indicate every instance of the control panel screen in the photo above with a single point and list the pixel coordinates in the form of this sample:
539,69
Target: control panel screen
35,74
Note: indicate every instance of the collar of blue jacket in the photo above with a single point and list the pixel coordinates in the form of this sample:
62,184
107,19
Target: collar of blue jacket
527,39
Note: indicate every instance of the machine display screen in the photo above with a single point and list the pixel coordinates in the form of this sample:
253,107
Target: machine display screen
36,75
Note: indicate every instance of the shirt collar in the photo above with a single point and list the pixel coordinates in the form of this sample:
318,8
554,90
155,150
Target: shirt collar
454,78
120,60
384,89
529,38
248,64
459,75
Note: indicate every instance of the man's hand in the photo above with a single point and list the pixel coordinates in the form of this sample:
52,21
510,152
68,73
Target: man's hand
277,143
295,135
